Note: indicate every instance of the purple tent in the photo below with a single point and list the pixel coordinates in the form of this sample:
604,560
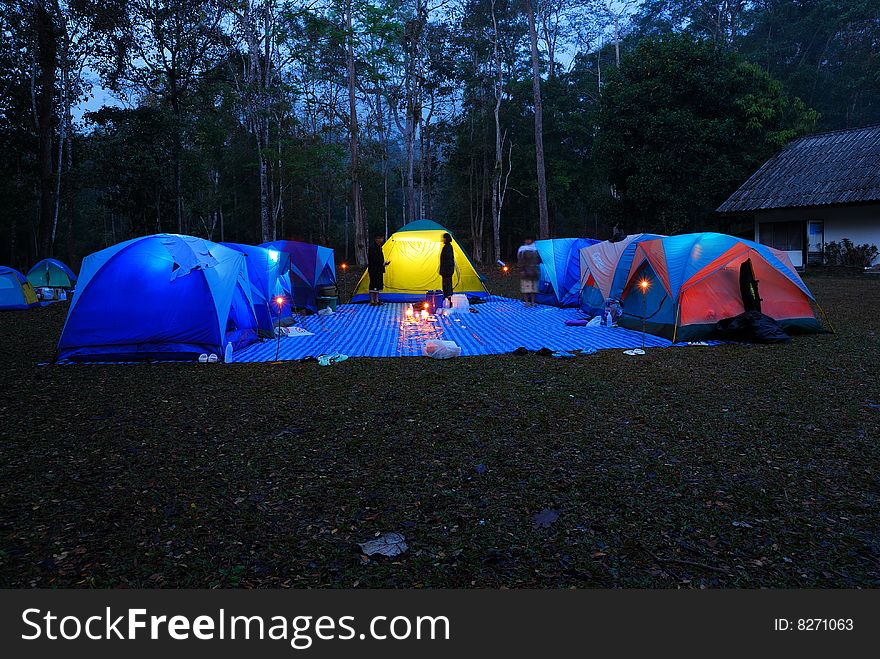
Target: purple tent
312,267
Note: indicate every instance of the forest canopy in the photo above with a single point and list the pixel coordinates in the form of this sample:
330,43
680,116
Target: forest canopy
330,120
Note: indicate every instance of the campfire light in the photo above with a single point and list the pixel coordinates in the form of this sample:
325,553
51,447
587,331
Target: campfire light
409,311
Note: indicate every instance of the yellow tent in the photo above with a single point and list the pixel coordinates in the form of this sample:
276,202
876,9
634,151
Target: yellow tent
414,253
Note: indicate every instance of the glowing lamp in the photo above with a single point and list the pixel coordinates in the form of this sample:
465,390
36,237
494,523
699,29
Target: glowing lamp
279,300
409,311
505,269
424,314
425,305
344,266
644,285
273,255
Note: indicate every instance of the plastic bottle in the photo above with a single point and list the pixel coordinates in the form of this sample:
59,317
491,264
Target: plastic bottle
227,354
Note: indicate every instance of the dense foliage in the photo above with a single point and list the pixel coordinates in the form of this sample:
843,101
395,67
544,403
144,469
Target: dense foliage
247,120
681,124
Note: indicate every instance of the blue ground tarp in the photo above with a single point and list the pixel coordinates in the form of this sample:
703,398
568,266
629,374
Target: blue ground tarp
500,326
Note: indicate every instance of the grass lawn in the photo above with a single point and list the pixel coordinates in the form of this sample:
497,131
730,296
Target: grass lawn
737,466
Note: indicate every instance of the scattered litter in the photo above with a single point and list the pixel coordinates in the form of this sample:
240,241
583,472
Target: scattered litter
387,544
595,322
696,343
460,303
561,354
327,360
439,349
472,310
634,351
480,469
292,330
326,311
588,351
212,358
743,525
577,322
545,518
203,358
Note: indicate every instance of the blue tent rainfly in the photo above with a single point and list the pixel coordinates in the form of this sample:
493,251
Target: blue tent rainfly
161,297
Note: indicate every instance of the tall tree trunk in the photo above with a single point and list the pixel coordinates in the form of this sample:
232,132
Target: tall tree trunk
617,40
47,60
497,175
383,138
360,229
543,216
265,230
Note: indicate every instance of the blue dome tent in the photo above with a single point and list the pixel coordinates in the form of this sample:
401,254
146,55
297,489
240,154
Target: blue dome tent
311,267
16,291
679,287
51,273
560,277
163,297
265,266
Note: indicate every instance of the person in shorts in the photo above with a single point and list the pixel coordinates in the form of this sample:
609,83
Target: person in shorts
528,261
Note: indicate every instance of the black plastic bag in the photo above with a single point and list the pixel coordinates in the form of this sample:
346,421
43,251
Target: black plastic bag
751,327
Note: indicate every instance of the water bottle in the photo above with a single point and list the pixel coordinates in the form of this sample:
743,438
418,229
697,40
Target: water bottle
227,354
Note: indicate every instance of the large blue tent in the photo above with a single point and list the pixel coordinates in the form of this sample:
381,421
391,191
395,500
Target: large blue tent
679,287
264,267
560,277
312,267
163,297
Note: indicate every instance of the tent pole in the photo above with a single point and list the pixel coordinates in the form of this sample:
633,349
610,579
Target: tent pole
675,327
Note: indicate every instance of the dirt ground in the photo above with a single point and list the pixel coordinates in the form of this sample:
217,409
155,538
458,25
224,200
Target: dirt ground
736,466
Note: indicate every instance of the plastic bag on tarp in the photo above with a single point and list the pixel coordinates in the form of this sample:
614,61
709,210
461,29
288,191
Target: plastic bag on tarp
441,349
459,303
751,327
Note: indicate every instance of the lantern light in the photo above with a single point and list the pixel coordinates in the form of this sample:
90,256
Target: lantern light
424,314
344,266
409,311
644,284
505,269
273,255
279,300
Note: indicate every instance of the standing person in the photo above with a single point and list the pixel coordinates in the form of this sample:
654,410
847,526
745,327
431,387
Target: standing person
376,267
528,260
447,265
